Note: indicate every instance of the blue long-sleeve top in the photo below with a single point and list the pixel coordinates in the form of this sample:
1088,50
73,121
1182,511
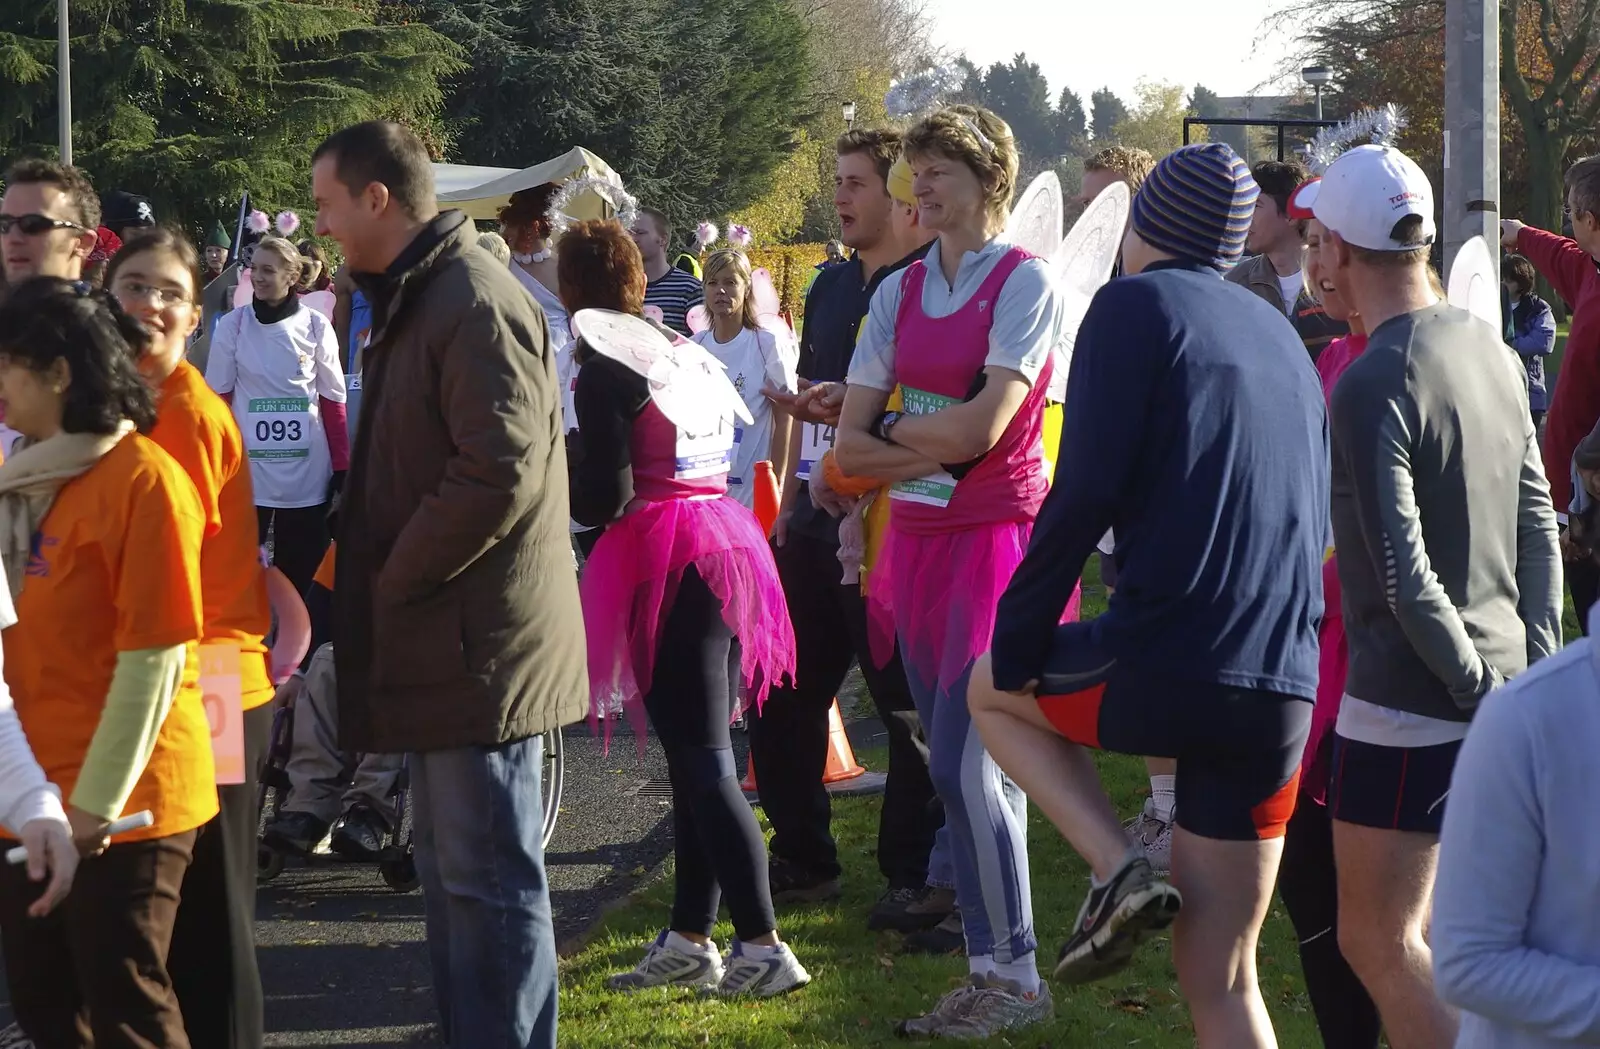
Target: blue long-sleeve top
1515,931
1533,336
1194,426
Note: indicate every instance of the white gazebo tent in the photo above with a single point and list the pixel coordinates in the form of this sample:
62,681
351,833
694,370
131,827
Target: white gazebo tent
481,192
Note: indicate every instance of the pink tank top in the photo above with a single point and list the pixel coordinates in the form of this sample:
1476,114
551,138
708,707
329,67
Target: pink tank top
942,356
668,464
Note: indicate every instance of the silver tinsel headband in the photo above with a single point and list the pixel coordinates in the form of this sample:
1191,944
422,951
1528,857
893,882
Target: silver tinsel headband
627,208
1379,127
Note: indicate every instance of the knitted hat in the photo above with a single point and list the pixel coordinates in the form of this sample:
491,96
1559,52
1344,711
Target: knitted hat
219,237
1197,205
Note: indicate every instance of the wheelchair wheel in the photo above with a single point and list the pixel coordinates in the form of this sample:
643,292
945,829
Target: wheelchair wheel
400,875
554,770
269,863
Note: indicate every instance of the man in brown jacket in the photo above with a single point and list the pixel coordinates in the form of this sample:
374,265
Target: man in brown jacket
458,633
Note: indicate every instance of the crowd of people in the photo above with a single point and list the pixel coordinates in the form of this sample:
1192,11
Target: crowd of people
1316,491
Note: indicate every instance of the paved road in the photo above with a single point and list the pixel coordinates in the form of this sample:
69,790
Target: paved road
343,958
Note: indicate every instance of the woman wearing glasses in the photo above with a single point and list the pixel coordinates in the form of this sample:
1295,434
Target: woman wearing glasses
277,363
213,962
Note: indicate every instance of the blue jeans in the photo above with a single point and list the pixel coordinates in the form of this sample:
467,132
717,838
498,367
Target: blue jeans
491,942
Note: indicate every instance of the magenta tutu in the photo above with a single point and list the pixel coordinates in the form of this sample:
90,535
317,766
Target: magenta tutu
938,594
631,580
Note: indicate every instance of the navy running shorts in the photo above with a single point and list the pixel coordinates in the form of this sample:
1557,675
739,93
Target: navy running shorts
1238,749
1391,788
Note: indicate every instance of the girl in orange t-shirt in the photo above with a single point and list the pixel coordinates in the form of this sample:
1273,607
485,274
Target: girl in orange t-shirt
213,957
105,548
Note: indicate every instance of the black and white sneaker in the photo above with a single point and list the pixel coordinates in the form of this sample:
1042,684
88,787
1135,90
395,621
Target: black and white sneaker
666,966
13,1038
1114,920
777,972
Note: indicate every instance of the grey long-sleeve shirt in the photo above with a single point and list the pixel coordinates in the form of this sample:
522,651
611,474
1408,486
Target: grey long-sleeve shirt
1442,517
1515,934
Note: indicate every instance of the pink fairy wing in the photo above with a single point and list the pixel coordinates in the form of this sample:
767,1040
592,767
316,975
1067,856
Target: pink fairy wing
699,319
653,313
321,301
243,293
766,295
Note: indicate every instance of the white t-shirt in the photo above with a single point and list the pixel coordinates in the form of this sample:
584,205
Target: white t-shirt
277,374
1289,287
754,359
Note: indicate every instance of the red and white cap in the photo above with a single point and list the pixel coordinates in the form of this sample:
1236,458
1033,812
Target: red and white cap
1365,193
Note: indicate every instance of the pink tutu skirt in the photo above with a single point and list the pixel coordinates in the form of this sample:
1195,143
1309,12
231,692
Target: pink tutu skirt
1332,666
631,581
941,595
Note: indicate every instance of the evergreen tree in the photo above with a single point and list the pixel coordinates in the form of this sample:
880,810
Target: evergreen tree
1106,111
1072,126
190,102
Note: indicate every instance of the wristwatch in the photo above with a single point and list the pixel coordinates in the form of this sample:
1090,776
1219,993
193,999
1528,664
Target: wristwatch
880,429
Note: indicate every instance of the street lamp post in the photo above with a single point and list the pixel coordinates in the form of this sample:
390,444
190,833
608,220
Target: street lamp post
1472,126
849,112
64,67
1318,77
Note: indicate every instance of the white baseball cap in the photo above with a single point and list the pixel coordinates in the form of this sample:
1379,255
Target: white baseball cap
1366,192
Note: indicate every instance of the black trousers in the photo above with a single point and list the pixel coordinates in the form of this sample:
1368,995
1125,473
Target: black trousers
717,844
213,956
1583,583
789,741
1346,1017
299,539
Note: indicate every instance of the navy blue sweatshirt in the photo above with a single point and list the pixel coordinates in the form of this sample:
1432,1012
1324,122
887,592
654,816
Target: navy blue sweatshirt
1195,427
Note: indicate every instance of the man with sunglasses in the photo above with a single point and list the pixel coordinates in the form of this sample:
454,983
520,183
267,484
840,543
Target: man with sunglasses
48,218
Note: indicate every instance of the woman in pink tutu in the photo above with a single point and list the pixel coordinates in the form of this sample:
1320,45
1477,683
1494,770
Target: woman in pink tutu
1346,1015
680,573
966,336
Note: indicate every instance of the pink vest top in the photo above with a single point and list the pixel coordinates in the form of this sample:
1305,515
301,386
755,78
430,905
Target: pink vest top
943,355
659,473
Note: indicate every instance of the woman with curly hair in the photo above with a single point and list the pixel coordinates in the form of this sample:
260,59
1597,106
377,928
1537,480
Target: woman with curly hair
102,665
681,571
525,225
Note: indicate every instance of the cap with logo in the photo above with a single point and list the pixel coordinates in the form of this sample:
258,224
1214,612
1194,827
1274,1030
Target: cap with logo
1364,195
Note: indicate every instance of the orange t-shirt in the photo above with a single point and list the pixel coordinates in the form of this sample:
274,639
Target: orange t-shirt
195,427
115,568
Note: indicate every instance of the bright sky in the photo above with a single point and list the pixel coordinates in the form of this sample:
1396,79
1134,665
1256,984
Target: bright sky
1089,44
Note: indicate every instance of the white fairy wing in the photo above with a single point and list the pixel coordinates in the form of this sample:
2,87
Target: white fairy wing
688,384
1473,286
321,301
1082,264
1035,222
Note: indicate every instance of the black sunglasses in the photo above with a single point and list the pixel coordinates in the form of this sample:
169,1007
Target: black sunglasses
34,225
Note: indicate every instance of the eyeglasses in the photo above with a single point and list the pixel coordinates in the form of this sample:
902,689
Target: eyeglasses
35,225
162,297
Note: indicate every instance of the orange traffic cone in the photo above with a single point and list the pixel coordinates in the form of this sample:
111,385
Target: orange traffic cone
766,490
841,764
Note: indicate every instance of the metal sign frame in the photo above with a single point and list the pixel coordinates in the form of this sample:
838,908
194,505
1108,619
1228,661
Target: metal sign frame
1280,125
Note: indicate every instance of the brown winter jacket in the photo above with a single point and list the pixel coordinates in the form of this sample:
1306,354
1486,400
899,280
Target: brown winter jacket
456,615
1315,328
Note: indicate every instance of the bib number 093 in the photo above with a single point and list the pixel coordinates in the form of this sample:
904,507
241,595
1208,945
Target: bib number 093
278,430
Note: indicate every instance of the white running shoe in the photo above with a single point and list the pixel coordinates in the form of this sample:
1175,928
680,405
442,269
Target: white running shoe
1154,836
778,973
664,966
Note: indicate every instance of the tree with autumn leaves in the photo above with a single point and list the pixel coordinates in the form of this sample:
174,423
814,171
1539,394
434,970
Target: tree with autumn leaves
1393,51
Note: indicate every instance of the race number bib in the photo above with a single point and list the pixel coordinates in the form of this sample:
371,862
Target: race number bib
705,454
223,694
278,428
816,440
936,489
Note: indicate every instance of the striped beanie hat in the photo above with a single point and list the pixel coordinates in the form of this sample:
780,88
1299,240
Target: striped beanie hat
1197,205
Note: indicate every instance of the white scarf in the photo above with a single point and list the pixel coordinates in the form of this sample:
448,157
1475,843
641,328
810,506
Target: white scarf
29,481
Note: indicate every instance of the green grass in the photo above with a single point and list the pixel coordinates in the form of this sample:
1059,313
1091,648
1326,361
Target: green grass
862,983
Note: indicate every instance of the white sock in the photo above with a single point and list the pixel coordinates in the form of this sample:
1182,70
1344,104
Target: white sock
1163,796
981,964
758,952
1022,970
684,945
